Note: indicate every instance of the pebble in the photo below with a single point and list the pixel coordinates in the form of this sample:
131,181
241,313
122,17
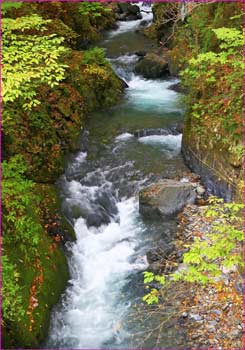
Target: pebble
216,312
211,329
195,317
184,314
195,336
225,307
200,190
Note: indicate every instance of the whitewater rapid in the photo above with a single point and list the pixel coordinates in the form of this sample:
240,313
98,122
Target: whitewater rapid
100,199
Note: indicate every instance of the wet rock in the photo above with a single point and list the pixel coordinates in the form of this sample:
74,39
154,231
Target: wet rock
162,250
144,23
75,209
152,66
174,130
97,219
177,88
84,140
140,53
108,202
165,198
128,12
124,84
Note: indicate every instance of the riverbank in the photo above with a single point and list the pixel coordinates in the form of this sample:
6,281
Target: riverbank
36,141
211,315
129,140
196,47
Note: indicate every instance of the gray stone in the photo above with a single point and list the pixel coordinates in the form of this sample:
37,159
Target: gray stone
152,66
97,220
195,317
128,12
200,190
165,198
162,250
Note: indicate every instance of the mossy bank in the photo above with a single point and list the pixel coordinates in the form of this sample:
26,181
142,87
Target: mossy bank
205,48
36,141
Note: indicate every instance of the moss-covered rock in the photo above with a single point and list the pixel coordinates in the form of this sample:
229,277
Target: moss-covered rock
212,136
153,66
69,18
45,135
43,276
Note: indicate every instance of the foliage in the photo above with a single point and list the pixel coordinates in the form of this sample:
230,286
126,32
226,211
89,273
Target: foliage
96,56
152,296
209,255
92,8
20,207
215,85
10,5
29,60
220,248
12,302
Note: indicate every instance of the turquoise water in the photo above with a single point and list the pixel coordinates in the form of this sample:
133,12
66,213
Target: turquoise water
101,185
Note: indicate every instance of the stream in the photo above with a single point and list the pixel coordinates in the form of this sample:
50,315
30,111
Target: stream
123,149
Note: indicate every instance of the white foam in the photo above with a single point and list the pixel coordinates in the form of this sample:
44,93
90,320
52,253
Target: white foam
124,137
125,59
101,260
171,144
145,94
81,157
126,26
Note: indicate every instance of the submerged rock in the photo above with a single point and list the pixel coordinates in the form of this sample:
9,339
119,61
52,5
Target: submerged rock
97,219
140,53
165,198
173,130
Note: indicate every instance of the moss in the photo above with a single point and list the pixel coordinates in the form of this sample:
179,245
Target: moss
45,135
43,277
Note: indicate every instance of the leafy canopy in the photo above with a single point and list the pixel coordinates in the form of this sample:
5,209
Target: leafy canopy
92,8
10,5
29,60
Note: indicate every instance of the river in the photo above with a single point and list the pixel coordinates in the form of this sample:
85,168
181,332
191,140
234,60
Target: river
124,148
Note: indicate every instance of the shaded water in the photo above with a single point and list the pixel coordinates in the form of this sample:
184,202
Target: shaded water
99,194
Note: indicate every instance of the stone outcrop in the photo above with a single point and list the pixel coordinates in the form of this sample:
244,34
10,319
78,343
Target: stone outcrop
165,198
218,173
152,66
128,12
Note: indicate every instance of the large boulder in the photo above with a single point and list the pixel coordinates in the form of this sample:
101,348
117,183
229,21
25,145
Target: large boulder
128,12
152,66
165,198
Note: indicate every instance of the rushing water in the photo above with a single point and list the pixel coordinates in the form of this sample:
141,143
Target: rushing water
99,193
